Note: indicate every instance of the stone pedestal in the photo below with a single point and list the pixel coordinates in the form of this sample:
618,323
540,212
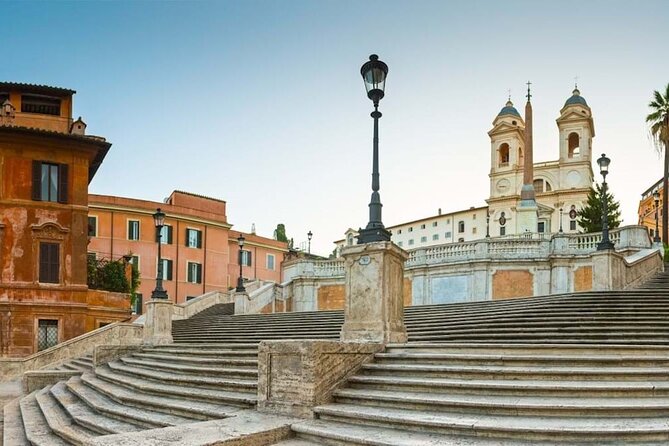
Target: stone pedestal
374,308
527,217
158,322
241,300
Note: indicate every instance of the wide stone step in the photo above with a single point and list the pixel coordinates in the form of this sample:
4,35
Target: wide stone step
183,390
13,432
320,432
59,421
507,405
36,428
498,426
237,372
101,403
85,416
525,372
511,359
199,360
211,346
175,405
548,348
244,385
218,353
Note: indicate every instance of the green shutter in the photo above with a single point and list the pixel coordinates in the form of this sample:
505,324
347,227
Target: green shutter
199,273
199,239
169,235
37,181
63,183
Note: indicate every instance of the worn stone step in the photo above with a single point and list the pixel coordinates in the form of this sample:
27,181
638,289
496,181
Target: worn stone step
512,387
85,416
507,405
528,348
237,372
113,409
197,394
511,359
198,360
517,427
211,344
35,425
59,421
322,432
13,433
526,372
196,410
219,353
244,385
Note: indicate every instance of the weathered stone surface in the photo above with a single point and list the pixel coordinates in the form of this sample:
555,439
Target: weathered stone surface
158,322
374,310
612,271
105,353
244,428
295,376
36,379
512,283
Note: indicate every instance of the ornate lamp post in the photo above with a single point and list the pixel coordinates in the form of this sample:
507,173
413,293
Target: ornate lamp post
240,281
487,224
159,222
374,73
309,235
656,197
606,243
561,220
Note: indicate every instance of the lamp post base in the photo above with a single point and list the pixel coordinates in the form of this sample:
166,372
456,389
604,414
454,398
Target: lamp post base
370,235
604,245
159,293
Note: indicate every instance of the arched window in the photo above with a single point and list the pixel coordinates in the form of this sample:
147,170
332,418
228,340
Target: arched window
538,186
574,142
504,155
461,226
547,186
349,240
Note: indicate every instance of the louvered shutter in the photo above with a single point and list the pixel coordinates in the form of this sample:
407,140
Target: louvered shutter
63,183
199,239
169,235
199,273
37,180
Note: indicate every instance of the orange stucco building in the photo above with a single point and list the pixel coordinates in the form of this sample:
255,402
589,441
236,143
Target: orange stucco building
46,164
647,209
199,249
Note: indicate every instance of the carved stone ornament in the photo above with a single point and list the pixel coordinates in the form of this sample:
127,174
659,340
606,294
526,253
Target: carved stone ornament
49,231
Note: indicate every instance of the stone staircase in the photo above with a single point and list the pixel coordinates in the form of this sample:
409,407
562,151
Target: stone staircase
156,387
576,368
660,281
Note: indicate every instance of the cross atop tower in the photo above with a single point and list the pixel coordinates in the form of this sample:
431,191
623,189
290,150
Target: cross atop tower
529,95
509,90
576,82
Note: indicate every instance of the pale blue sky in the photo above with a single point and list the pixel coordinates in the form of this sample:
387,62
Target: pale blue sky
260,103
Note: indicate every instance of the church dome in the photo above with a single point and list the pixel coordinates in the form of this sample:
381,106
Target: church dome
509,109
576,99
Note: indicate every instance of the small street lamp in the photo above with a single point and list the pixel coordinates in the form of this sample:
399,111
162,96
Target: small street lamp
606,243
561,220
159,222
656,197
487,224
374,73
240,281
309,235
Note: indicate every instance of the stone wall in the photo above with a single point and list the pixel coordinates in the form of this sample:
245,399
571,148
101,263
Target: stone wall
507,284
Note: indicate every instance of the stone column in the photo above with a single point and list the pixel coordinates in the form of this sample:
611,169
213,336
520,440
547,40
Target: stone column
374,309
158,322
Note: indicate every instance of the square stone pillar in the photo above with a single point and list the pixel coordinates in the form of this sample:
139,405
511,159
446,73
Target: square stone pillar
158,322
241,300
374,307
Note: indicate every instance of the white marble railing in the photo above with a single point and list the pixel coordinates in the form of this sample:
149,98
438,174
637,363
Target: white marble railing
529,245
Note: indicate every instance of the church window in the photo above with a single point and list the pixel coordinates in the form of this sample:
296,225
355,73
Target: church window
504,155
574,143
548,186
572,225
538,185
502,230
461,226
541,227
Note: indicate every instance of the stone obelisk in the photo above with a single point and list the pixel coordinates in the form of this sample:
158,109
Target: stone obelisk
527,216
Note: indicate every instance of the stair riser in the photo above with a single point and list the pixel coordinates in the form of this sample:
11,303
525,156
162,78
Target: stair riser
492,409
527,435
529,349
223,373
585,362
519,391
548,375
333,442
213,362
183,380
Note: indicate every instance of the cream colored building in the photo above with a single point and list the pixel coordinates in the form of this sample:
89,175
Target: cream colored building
561,186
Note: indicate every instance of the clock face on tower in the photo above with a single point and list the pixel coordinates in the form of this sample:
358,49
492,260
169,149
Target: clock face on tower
503,185
573,178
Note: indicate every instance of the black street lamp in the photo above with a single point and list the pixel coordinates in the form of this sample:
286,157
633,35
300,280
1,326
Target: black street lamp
487,224
374,73
561,220
606,243
309,235
240,281
656,197
159,221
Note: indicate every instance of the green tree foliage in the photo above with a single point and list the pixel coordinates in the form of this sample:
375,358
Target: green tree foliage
658,120
280,233
109,275
590,217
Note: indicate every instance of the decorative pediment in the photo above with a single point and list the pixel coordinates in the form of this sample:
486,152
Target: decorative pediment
50,231
505,127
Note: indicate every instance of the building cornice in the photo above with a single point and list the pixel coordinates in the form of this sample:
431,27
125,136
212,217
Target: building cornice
150,212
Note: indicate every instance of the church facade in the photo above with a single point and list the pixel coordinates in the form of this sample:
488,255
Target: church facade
555,189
